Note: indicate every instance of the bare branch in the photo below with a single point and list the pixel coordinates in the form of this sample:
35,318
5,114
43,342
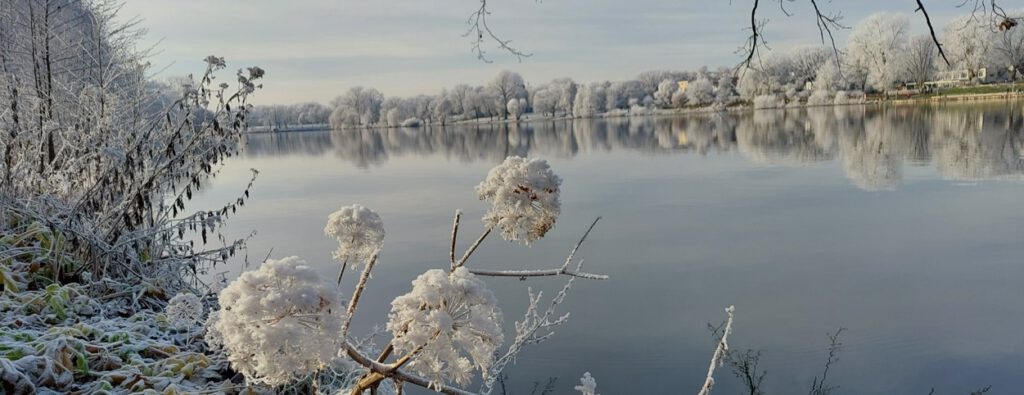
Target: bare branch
931,30
478,27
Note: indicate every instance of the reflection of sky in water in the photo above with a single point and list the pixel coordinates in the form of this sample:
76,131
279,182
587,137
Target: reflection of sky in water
897,224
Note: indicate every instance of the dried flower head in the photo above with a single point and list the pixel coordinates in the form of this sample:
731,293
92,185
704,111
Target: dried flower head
359,231
215,62
279,323
454,318
184,310
524,198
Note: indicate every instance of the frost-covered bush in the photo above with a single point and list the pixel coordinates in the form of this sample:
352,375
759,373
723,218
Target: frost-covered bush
453,319
279,323
820,97
850,97
358,230
524,198
184,310
636,111
767,101
700,92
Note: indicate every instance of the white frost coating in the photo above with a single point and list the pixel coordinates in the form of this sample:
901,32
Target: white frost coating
359,231
588,386
454,318
279,323
184,310
524,198
767,101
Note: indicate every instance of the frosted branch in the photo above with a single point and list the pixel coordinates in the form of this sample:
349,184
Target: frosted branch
363,278
719,355
564,270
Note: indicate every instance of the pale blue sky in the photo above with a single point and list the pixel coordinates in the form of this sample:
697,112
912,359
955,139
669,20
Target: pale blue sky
315,49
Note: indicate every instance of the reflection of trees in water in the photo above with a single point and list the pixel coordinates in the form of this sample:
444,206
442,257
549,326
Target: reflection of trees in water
291,143
872,143
780,137
977,145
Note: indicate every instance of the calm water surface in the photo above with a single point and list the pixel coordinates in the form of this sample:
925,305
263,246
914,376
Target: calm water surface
903,225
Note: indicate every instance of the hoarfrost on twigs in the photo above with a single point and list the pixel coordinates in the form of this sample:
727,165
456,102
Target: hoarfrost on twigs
184,310
279,323
524,198
359,232
454,322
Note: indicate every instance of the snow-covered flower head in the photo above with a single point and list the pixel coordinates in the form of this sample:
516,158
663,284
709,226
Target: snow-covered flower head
524,198
588,386
279,323
184,310
454,318
359,231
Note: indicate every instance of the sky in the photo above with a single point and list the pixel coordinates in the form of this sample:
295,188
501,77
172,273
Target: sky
314,50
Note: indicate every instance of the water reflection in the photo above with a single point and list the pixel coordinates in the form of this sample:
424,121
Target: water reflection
872,144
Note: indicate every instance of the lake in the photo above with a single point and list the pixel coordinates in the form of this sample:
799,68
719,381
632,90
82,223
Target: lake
901,224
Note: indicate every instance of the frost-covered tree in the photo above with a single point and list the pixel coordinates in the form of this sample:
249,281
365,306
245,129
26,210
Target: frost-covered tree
967,41
725,91
546,100
875,45
357,107
505,86
918,60
752,83
588,101
664,92
700,91
514,108
828,78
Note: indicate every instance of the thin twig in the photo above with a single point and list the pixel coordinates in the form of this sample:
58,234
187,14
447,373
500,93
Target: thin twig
720,350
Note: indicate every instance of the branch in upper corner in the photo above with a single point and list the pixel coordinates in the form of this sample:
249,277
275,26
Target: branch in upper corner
478,27
931,30
826,22
755,41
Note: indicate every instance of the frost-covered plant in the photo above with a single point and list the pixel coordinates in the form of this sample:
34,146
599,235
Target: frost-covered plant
279,323
358,230
849,97
451,320
588,386
524,198
184,310
820,97
767,101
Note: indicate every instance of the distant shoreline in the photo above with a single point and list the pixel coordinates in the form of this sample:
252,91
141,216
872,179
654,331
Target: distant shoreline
741,107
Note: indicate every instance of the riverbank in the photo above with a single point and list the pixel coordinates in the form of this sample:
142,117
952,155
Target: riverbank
979,93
